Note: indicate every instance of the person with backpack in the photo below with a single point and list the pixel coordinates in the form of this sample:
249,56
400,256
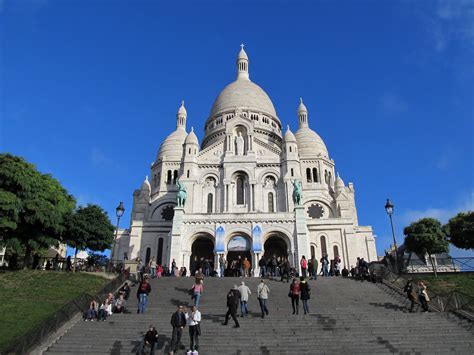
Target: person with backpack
262,295
233,301
314,268
305,289
304,266
294,294
143,291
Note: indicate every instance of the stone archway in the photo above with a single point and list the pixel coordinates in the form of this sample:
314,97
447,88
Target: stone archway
275,245
202,254
238,249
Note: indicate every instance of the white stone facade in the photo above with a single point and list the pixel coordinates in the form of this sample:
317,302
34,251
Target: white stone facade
239,178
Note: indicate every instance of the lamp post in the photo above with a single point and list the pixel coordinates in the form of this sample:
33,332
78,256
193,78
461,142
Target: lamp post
389,210
119,213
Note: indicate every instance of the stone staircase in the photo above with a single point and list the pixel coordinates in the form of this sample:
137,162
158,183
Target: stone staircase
346,316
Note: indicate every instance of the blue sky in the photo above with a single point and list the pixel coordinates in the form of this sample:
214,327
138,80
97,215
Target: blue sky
89,89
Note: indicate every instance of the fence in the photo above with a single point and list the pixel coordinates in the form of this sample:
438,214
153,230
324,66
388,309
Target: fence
38,334
452,301
441,265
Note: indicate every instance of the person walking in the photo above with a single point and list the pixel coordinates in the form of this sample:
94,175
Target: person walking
325,265
304,293
222,262
143,291
178,322
263,267
423,296
152,266
244,297
246,266
314,268
295,295
262,295
304,266
411,295
233,300
198,289
193,320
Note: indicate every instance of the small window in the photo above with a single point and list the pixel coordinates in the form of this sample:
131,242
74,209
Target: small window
336,251
189,151
159,256
210,200
240,190
187,174
157,181
148,254
315,175
271,207
308,174
169,177
324,250
175,176
291,149
313,252
292,172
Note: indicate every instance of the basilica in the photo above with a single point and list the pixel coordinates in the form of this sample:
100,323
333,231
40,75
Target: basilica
234,194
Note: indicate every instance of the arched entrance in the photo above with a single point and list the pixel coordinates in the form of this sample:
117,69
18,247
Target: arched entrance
202,255
275,246
238,248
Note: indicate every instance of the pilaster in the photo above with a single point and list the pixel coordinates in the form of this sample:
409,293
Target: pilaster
302,238
175,245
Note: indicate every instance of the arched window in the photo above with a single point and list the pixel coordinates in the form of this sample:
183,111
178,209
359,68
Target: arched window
169,177
175,176
240,190
188,173
271,207
210,199
336,251
291,149
292,172
308,174
315,175
159,256
324,249
313,251
148,254
189,151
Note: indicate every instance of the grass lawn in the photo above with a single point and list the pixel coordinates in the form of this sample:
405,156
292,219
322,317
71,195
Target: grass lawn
445,283
27,297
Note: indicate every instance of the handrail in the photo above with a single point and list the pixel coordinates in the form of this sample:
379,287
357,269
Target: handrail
38,334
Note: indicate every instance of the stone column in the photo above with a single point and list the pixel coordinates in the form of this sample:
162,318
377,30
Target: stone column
175,243
302,239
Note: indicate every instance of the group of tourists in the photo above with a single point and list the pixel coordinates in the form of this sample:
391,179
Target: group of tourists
108,306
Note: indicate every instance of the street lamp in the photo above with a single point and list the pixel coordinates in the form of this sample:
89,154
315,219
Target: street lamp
389,210
119,213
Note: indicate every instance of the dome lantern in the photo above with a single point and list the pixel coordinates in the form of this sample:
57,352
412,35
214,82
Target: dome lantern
242,64
302,114
181,117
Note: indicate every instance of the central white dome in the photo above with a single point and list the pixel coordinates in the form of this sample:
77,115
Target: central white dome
243,94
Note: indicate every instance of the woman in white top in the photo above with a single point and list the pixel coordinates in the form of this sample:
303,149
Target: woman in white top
194,319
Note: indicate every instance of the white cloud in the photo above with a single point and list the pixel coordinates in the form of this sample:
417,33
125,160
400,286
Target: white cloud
441,214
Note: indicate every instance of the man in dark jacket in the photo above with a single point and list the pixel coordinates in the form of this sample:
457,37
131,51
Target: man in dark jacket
233,301
142,294
149,341
285,270
178,322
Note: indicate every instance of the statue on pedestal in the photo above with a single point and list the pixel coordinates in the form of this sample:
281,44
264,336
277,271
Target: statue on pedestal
239,142
297,192
182,194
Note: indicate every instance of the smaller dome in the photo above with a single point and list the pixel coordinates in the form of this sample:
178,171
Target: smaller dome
310,144
302,107
146,185
289,136
191,138
172,146
182,109
339,182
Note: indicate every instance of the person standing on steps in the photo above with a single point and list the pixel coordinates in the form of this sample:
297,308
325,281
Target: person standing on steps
198,288
240,265
325,265
246,266
295,295
411,295
233,300
143,291
244,297
262,295
314,268
178,322
263,267
152,266
222,263
304,266
285,270
423,296
199,276
194,318
304,293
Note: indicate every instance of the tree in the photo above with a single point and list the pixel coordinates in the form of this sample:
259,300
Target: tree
460,230
88,228
33,205
426,236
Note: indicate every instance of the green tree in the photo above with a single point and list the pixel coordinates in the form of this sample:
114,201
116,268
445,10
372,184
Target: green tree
460,230
426,236
88,228
36,215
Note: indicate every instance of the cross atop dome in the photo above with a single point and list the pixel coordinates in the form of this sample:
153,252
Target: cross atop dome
242,64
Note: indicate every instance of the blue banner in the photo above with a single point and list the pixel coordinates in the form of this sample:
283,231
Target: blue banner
257,238
220,236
